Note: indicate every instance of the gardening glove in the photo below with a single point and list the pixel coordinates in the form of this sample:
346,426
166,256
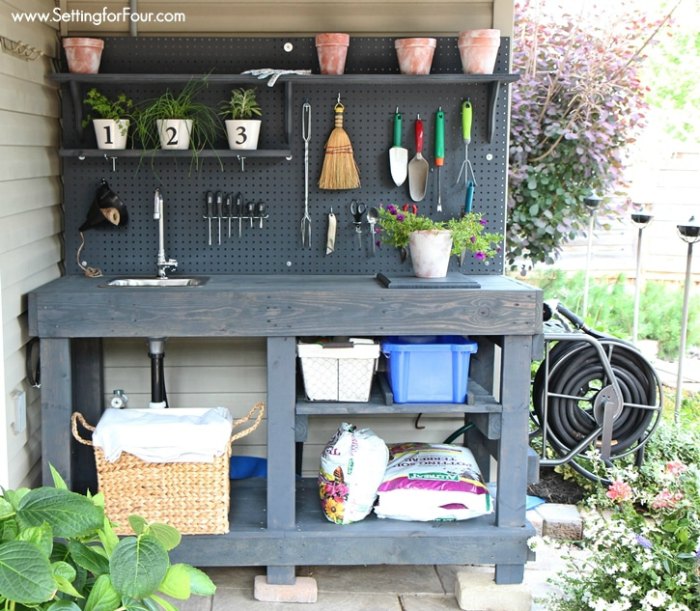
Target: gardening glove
272,73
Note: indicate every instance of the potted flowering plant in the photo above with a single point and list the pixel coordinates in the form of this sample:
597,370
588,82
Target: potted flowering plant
432,242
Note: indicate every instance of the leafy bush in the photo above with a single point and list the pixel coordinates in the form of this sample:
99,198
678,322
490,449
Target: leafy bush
611,308
577,108
58,552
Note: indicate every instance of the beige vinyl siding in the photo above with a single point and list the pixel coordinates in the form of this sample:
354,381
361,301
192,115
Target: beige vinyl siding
30,222
368,17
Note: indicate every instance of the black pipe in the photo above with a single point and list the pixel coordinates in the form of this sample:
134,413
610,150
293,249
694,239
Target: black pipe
156,352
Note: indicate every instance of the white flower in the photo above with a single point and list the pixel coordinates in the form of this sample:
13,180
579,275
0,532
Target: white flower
677,607
681,579
655,598
534,542
620,605
599,604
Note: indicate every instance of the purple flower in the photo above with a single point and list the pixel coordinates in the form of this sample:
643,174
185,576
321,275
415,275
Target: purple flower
483,222
473,239
479,256
400,217
391,209
697,554
643,541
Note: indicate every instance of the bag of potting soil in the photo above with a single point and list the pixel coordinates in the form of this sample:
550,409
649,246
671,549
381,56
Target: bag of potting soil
352,467
426,481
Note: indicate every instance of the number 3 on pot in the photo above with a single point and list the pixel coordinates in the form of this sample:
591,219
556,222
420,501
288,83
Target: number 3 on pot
242,137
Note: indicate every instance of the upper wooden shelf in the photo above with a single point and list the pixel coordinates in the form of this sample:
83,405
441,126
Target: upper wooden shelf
320,79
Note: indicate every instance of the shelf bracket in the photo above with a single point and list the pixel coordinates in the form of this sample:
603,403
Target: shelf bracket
76,98
494,91
288,91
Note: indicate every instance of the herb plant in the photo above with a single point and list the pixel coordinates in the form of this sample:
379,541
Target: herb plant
182,105
121,107
468,232
243,104
58,552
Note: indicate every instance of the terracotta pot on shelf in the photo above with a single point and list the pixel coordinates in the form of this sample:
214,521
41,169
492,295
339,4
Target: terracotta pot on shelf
415,55
332,51
430,252
83,54
478,50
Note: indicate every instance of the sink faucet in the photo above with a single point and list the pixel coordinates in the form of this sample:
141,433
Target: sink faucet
158,214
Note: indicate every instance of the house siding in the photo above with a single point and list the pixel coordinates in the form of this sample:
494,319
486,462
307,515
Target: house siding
30,223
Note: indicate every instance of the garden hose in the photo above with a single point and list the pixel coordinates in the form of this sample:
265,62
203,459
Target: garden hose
571,381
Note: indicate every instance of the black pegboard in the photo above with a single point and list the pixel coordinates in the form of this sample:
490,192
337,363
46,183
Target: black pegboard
279,182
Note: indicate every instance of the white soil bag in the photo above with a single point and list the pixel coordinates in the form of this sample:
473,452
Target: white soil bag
426,482
352,467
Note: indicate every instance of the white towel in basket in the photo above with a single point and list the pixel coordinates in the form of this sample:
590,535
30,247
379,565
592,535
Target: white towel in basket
164,435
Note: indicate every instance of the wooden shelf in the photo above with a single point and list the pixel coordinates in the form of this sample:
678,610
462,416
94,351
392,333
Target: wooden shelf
381,402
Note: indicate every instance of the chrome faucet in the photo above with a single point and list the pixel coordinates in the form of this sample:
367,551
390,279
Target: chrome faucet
158,214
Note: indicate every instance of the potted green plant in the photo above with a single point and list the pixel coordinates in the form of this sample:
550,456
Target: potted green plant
177,121
242,128
58,552
432,242
113,118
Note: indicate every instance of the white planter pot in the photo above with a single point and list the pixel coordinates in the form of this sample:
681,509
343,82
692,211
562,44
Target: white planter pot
111,134
243,134
174,134
430,253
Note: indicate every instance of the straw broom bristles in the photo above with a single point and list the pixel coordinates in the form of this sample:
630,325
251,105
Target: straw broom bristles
339,169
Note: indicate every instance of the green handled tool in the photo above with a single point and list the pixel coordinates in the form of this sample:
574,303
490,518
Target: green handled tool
439,151
398,156
469,179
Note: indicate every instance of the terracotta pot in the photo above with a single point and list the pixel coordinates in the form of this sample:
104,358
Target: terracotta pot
243,133
174,134
332,51
83,54
430,252
415,55
478,50
111,134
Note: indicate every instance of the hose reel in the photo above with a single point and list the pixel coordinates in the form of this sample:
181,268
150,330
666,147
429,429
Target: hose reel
592,390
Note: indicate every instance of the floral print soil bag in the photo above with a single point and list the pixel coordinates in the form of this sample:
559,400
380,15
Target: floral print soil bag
352,467
426,481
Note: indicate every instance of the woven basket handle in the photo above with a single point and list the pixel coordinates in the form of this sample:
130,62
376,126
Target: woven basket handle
256,412
75,417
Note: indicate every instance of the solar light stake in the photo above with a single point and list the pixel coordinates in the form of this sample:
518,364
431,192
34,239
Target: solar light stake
641,220
689,233
592,202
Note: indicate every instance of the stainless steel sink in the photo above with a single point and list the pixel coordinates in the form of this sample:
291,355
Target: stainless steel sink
157,282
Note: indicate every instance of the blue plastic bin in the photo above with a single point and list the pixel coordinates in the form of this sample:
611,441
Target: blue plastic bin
428,369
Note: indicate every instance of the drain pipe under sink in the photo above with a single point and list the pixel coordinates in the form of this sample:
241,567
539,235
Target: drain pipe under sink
156,352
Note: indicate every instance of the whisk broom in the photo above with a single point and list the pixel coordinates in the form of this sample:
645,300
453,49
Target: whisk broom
339,169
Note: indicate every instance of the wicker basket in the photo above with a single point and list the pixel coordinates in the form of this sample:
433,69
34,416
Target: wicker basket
192,497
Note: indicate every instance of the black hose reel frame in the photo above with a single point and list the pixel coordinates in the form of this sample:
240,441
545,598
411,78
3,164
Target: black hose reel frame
593,389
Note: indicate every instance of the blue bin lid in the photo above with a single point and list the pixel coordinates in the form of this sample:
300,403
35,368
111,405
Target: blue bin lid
428,343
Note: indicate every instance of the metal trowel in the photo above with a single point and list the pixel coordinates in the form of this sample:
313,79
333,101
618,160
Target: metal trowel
398,156
418,168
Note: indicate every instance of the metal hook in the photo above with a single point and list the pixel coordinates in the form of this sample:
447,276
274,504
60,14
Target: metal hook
114,162
416,421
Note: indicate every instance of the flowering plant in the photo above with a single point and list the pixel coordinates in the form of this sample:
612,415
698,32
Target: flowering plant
643,538
468,232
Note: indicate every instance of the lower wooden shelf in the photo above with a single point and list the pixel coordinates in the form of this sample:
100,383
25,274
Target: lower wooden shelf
313,540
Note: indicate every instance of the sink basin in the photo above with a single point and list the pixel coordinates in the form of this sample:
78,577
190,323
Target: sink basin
156,282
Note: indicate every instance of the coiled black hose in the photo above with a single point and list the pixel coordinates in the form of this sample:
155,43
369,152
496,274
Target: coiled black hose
576,370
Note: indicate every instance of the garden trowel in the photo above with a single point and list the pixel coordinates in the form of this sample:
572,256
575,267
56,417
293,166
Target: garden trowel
398,156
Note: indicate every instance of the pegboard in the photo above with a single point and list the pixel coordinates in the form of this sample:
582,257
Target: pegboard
279,182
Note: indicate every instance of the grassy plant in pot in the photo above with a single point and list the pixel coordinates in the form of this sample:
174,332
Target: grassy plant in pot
432,242
58,552
178,121
112,121
242,128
